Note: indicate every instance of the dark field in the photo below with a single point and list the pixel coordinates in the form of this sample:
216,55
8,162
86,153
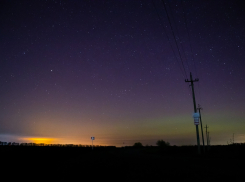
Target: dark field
222,163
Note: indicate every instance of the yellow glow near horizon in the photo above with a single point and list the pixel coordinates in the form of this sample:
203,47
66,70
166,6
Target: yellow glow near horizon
41,140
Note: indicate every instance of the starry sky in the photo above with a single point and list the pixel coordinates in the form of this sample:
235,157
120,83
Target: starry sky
116,70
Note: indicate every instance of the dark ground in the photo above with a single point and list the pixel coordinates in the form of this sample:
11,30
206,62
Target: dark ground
222,163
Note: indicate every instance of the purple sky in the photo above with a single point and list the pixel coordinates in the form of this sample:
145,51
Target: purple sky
111,69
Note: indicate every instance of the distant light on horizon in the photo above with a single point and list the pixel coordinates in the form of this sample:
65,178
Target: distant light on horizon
40,140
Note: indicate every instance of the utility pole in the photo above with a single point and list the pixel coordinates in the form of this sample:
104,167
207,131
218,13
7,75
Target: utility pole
207,134
92,138
208,141
195,109
199,108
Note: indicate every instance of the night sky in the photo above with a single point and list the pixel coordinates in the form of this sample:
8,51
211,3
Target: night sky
116,70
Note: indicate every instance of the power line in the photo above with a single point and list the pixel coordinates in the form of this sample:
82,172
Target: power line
188,34
181,45
183,72
179,64
192,54
174,37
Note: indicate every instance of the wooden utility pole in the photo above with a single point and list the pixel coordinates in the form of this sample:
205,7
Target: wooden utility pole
208,142
207,134
199,108
195,109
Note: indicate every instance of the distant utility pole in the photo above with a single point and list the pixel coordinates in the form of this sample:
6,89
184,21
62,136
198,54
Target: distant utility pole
207,134
195,109
208,141
92,138
199,108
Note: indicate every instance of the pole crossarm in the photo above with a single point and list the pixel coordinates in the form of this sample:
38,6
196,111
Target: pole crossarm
199,107
196,80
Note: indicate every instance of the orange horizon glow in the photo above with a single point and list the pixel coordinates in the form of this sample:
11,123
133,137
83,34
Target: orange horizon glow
61,141
40,140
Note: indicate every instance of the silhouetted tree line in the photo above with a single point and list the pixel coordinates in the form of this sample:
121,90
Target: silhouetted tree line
48,145
160,143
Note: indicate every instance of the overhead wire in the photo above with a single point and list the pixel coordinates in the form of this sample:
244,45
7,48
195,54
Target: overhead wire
174,37
188,34
189,89
175,40
179,37
181,65
183,71
192,54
